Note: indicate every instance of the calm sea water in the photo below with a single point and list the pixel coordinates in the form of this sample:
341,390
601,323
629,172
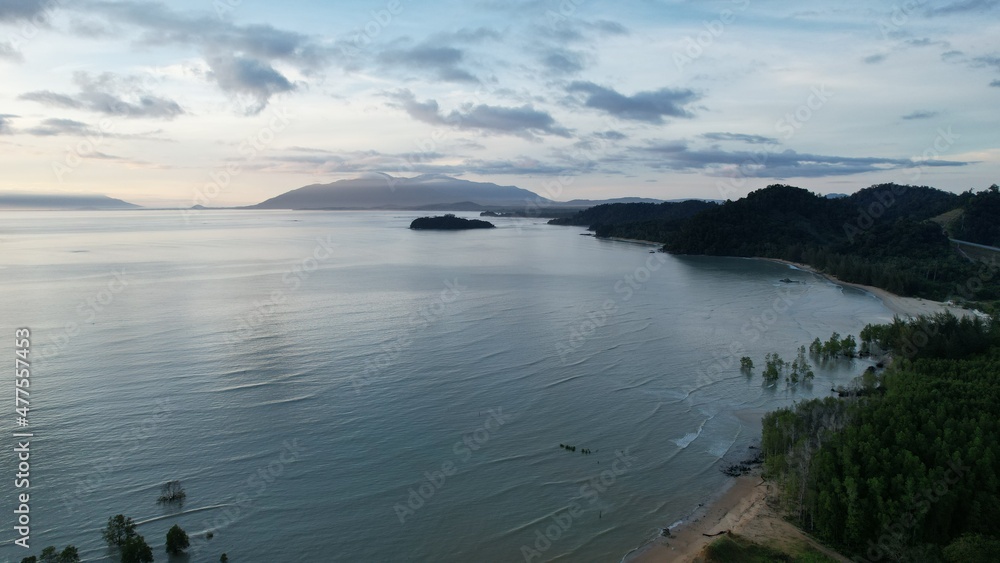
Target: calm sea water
331,386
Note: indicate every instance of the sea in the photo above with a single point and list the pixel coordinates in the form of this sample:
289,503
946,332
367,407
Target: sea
333,386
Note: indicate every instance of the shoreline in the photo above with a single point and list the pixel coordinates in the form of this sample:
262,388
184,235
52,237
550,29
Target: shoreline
907,307
741,508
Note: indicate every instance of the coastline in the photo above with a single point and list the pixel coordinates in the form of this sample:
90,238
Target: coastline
907,307
742,509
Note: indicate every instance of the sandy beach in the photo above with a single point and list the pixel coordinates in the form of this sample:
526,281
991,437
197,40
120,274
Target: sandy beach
903,306
742,509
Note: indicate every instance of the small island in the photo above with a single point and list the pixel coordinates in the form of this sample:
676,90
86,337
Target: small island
449,223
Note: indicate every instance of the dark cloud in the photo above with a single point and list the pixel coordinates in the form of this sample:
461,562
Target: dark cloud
106,93
523,121
995,84
650,107
561,61
874,59
243,76
17,10
742,137
676,155
920,115
52,127
963,6
442,61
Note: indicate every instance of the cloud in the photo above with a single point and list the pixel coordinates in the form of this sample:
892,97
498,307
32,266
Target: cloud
649,107
742,137
920,115
17,10
443,61
995,84
9,52
523,121
676,155
561,61
244,76
54,126
241,57
610,135
874,59
5,128
963,6
106,93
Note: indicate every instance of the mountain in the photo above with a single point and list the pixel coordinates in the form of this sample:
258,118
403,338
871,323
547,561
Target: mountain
382,191
62,201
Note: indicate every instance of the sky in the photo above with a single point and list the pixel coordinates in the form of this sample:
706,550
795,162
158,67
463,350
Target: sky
230,102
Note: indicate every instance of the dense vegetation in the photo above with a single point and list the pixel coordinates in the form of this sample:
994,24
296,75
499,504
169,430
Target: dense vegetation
449,222
642,221
881,236
979,220
910,470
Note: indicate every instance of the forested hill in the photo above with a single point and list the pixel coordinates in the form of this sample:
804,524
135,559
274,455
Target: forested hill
645,221
880,236
888,235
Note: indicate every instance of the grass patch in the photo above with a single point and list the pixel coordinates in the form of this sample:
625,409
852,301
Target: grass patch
734,548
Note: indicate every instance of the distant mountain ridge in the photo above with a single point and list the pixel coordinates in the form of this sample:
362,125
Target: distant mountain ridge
62,201
382,191
425,192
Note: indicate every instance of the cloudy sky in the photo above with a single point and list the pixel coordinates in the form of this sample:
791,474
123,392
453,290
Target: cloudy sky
156,103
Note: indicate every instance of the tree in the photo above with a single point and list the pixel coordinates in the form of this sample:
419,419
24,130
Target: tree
177,540
224,558
172,491
119,530
49,555
135,550
69,555
746,364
